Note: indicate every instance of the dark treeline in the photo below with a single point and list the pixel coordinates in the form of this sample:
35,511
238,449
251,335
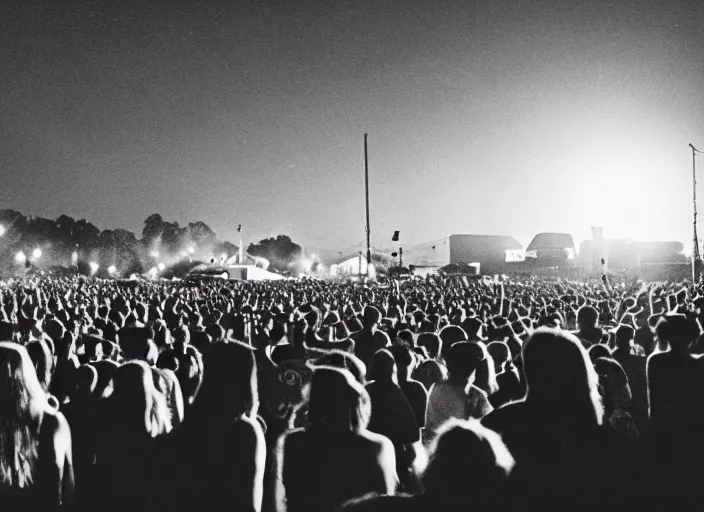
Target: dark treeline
58,239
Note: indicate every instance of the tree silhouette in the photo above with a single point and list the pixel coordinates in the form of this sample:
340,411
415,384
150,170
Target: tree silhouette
281,252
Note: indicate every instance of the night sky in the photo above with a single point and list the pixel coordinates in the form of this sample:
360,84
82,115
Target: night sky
505,117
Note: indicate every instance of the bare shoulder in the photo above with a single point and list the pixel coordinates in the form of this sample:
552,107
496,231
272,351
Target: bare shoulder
375,442
54,424
55,433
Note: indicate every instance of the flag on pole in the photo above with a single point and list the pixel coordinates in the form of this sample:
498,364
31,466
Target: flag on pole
239,228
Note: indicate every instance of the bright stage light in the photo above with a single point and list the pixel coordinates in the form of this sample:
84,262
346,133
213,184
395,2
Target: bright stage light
93,267
37,253
161,266
20,257
191,250
307,265
2,230
154,254
112,269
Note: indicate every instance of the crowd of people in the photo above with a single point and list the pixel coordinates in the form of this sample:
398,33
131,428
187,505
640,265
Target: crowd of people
436,394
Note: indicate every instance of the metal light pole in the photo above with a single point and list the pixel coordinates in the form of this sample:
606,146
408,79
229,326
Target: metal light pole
366,189
696,257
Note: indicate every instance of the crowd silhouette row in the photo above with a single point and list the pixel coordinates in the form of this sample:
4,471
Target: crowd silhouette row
424,395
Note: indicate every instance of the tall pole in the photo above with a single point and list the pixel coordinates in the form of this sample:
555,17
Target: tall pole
696,258
366,189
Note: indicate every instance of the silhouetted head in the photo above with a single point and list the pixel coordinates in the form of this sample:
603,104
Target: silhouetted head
469,466
473,327
431,342
430,372
383,367
625,334
450,335
337,401
560,378
404,358
677,330
138,343
372,317
463,360
229,389
587,317
500,353
597,351
406,337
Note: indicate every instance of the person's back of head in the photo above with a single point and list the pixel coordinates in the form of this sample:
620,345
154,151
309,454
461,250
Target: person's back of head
473,327
625,334
216,332
167,360
138,343
200,340
406,337
587,317
372,317
449,335
404,359
469,467
431,342
560,378
463,360
500,353
430,372
597,351
677,330
337,401
383,367
55,329
229,387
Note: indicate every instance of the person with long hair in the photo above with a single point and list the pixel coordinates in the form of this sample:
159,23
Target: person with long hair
563,457
335,458
36,466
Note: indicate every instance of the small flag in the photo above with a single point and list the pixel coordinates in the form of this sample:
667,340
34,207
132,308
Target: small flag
433,247
239,228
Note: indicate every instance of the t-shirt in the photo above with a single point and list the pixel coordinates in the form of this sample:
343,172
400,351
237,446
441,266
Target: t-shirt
447,400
